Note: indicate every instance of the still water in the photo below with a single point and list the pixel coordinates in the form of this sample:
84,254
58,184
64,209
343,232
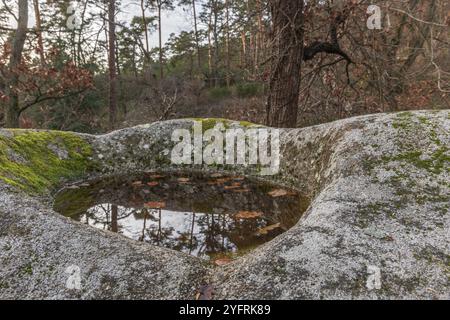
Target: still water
214,217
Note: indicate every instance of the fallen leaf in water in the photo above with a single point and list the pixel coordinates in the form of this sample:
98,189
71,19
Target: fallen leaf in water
248,214
280,193
183,180
222,261
137,183
231,187
241,190
155,204
152,183
265,230
205,293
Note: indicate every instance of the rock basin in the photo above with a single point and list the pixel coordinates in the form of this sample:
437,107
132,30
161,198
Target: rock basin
377,226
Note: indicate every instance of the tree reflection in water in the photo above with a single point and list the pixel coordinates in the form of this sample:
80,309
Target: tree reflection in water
201,234
196,215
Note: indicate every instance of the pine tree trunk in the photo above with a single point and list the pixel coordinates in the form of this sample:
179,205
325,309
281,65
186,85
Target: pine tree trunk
144,22
197,41
287,53
112,65
227,43
161,67
12,109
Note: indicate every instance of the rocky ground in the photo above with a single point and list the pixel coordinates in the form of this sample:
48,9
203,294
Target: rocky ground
377,227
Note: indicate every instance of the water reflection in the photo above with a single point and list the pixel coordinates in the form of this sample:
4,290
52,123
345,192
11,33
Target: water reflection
205,216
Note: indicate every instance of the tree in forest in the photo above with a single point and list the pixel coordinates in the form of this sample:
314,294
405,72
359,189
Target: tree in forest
159,6
12,111
193,5
289,50
25,82
287,53
112,64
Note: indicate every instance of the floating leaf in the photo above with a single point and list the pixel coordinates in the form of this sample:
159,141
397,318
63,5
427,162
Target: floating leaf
231,187
183,180
152,183
280,193
266,230
241,190
222,261
248,214
155,204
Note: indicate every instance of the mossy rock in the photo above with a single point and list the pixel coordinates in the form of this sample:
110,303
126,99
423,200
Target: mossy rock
30,161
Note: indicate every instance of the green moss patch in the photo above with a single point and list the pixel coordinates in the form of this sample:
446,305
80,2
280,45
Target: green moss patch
436,163
28,160
210,123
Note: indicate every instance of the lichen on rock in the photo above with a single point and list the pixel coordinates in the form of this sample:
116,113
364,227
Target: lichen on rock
380,194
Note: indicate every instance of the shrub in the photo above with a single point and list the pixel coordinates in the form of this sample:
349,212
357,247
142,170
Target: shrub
247,90
219,93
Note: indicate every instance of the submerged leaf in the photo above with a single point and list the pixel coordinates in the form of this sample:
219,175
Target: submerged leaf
280,193
266,230
241,190
155,204
248,214
231,187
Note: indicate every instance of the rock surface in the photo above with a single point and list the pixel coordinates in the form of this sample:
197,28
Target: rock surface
378,226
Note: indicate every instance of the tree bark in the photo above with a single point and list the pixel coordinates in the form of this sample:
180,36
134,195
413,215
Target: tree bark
287,54
12,110
112,65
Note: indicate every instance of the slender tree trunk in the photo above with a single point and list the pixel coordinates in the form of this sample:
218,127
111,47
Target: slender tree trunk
80,53
210,68
114,218
227,42
144,22
259,36
197,41
112,65
244,49
161,66
287,54
12,110
216,43
37,15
